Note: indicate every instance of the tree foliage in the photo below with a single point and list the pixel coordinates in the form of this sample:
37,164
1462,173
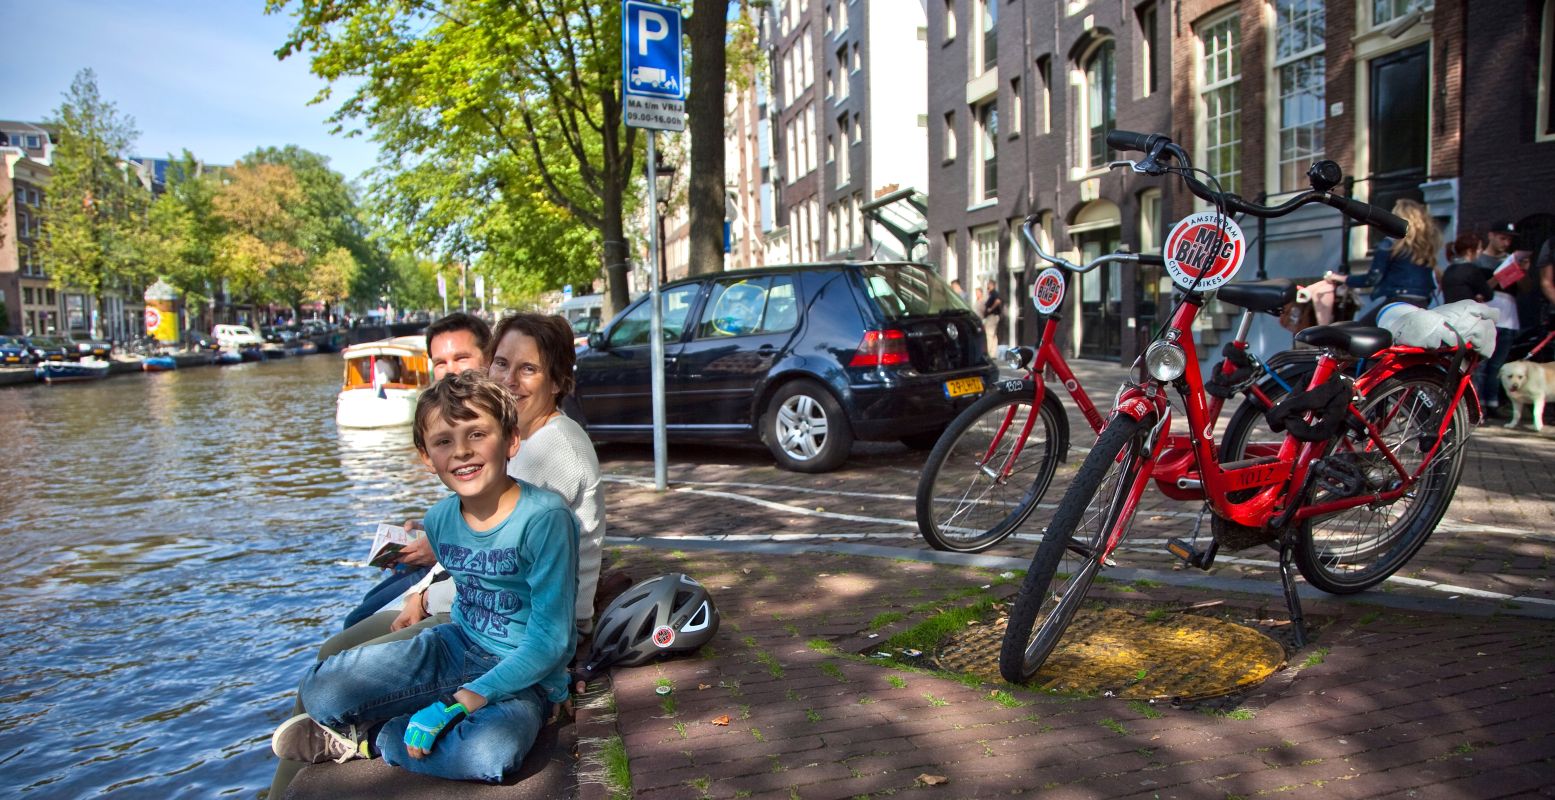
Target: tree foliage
500,123
94,210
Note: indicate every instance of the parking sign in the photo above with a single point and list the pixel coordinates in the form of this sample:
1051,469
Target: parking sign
651,50
651,70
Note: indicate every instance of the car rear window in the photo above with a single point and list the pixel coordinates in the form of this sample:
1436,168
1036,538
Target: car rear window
909,290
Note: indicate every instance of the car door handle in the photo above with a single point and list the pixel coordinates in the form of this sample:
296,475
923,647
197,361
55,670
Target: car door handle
766,349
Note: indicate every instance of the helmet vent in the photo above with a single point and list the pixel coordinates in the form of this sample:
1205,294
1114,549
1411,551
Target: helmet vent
698,620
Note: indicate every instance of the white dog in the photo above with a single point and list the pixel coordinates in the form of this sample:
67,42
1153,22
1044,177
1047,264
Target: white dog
1530,383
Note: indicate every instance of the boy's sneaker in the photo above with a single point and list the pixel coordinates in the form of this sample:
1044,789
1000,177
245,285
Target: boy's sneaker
302,739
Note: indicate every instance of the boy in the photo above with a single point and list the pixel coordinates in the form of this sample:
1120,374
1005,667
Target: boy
463,700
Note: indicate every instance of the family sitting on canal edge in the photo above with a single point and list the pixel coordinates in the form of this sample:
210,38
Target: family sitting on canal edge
521,539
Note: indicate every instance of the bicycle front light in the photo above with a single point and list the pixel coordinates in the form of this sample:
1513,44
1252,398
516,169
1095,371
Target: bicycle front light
1166,361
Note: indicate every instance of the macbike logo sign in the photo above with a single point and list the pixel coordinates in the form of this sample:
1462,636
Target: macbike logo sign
663,636
1048,290
1194,251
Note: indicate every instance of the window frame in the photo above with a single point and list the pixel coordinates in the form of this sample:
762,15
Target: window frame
1148,18
1544,118
985,57
1089,161
1276,124
1231,180
985,161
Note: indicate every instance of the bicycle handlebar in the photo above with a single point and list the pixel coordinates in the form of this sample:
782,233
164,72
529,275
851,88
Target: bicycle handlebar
1030,225
1158,147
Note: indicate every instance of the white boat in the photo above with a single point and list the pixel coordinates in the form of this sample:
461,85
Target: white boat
382,383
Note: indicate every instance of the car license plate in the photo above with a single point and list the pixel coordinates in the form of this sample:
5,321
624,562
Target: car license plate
963,386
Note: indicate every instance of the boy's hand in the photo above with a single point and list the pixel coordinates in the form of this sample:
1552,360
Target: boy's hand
414,611
427,724
416,554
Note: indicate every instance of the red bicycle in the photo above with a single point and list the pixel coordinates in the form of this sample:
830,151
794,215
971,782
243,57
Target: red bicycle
1361,474
992,465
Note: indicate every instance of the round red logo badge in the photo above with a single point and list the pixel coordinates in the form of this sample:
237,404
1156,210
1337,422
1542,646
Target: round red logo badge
1048,290
1195,252
663,636
153,319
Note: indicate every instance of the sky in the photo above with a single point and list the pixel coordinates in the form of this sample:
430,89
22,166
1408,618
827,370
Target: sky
194,75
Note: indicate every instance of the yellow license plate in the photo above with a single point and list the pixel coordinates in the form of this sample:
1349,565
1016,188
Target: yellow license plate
963,386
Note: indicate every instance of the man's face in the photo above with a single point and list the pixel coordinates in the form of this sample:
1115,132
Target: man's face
455,352
1500,242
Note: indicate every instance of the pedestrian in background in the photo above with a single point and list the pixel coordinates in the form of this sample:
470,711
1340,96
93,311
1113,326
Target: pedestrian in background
993,314
1400,267
1464,279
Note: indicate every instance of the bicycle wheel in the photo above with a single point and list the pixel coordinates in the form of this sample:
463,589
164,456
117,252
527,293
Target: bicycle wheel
1247,433
1356,549
1070,554
963,503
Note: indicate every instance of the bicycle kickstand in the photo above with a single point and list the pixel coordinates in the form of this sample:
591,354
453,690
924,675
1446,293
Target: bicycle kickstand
1288,583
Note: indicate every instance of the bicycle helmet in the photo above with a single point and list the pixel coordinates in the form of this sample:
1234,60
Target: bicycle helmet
666,614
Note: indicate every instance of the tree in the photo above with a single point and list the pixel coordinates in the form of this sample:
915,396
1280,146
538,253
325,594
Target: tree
707,28
183,231
94,211
258,253
485,90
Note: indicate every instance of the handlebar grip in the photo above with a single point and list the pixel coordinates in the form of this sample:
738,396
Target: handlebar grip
1369,215
1152,260
1128,140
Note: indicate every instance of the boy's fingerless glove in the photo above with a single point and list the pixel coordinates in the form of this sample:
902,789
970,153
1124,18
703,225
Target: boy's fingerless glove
429,722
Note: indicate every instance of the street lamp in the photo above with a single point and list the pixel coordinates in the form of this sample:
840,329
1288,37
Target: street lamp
664,185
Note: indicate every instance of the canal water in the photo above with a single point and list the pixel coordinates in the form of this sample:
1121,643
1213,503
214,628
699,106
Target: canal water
180,543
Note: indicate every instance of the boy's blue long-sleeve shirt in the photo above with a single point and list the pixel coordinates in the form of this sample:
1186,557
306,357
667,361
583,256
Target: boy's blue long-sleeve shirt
517,584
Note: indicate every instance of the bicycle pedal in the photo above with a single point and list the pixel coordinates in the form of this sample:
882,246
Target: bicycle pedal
1192,556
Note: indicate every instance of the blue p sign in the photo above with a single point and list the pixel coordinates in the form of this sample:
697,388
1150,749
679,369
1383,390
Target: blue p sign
650,50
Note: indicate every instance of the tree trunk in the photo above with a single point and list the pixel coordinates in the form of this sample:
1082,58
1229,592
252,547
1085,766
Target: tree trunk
708,26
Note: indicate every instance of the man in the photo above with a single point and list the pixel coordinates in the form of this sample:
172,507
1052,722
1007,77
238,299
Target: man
993,314
456,343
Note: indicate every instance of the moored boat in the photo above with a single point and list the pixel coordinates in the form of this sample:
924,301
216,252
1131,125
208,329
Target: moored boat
72,371
383,379
159,363
228,357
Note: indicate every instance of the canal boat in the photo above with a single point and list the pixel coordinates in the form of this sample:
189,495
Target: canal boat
159,364
383,380
72,371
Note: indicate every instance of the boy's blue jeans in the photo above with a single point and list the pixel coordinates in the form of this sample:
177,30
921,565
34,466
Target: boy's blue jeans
396,583
387,683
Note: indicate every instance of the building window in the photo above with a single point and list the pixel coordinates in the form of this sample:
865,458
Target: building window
985,256
856,220
986,180
27,295
988,17
858,128
1298,60
1220,73
842,150
807,138
831,149
1150,221
806,61
841,23
1546,110
1150,80
952,265
950,19
791,146
1101,103
1017,108
1385,11
842,73
1045,110
858,63
950,136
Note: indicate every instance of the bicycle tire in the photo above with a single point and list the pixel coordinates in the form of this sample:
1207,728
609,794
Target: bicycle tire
961,508
1358,548
1089,509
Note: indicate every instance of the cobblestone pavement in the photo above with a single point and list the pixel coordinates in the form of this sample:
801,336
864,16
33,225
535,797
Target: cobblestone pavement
1436,684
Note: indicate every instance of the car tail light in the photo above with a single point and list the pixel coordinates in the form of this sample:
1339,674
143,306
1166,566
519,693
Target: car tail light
887,348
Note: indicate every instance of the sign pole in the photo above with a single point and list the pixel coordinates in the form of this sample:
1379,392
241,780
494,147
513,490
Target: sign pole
653,97
656,324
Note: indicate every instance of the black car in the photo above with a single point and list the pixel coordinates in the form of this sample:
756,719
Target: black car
48,348
85,346
805,358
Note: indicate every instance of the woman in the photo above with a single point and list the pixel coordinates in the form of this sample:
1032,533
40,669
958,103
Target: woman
1403,267
1463,279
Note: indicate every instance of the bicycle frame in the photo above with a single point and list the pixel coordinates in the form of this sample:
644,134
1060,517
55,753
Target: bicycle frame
1282,479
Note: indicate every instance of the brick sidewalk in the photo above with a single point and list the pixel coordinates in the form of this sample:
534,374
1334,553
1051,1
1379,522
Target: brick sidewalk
1381,704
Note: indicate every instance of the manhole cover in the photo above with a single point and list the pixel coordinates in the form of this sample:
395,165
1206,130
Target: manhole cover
1179,656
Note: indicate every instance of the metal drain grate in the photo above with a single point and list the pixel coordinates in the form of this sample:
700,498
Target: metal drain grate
1178,657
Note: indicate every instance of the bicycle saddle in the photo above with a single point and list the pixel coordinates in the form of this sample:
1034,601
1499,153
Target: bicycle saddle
1361,341
1267,296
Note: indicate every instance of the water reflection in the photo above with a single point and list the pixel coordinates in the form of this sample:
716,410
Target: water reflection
179,543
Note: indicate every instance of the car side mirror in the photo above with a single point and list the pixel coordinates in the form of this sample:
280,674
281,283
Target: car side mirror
597,341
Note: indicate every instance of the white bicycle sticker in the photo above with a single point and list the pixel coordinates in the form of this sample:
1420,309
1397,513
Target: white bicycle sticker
1047,291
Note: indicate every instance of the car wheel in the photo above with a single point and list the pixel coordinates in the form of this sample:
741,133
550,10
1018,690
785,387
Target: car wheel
805,428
